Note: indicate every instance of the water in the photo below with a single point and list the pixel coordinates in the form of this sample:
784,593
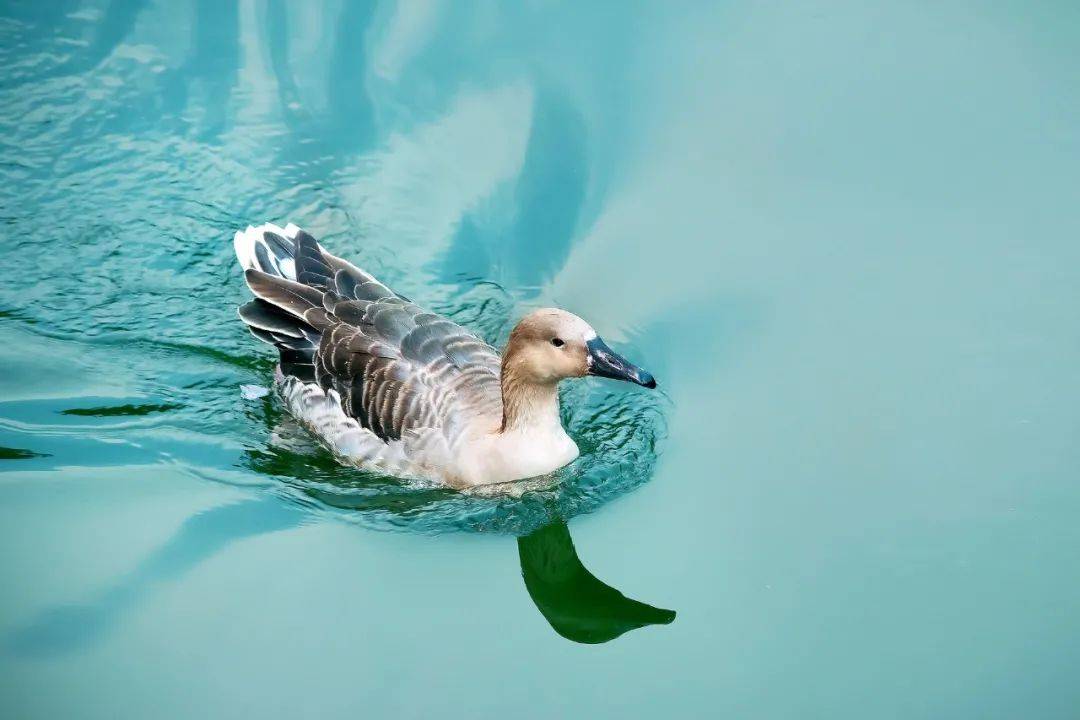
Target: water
841,235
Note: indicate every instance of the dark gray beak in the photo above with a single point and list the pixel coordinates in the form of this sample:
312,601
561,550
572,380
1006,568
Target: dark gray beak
605,362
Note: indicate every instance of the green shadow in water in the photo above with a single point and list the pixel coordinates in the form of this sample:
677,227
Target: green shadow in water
576,604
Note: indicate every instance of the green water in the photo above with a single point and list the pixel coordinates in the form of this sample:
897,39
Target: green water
843,236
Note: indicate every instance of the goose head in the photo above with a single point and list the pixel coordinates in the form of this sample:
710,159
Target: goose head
549,345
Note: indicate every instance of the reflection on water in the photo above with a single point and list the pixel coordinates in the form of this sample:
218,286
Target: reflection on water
77,626
533,243
319,141
212,61
578,606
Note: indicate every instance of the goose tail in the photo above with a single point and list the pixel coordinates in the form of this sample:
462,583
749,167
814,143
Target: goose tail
285,313
269,249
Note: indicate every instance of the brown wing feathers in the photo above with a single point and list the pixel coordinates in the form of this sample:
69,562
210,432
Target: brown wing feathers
394,365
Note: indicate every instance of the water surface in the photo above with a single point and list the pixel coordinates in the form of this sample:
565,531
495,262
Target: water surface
842,236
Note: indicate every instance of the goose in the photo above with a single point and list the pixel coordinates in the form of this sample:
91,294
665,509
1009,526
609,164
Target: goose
390,387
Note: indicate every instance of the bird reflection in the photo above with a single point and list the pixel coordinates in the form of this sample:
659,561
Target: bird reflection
576,604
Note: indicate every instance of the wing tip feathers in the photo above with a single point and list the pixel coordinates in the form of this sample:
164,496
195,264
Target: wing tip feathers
244,242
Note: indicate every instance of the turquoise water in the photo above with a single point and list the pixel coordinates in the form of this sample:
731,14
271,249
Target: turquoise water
843,236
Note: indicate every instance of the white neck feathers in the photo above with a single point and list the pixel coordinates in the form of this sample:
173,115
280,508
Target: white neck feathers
529,406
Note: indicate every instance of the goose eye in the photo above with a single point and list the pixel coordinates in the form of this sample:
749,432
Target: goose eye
557,342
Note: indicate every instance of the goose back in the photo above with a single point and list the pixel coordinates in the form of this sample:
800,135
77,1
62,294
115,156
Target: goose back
396,370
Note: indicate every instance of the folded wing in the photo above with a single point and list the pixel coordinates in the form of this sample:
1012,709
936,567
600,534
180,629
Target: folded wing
395,366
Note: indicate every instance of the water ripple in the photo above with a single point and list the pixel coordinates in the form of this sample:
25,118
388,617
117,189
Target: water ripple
119,205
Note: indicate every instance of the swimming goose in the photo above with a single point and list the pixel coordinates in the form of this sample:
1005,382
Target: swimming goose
393,388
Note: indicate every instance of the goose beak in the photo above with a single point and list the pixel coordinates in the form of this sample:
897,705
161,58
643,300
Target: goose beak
605,362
